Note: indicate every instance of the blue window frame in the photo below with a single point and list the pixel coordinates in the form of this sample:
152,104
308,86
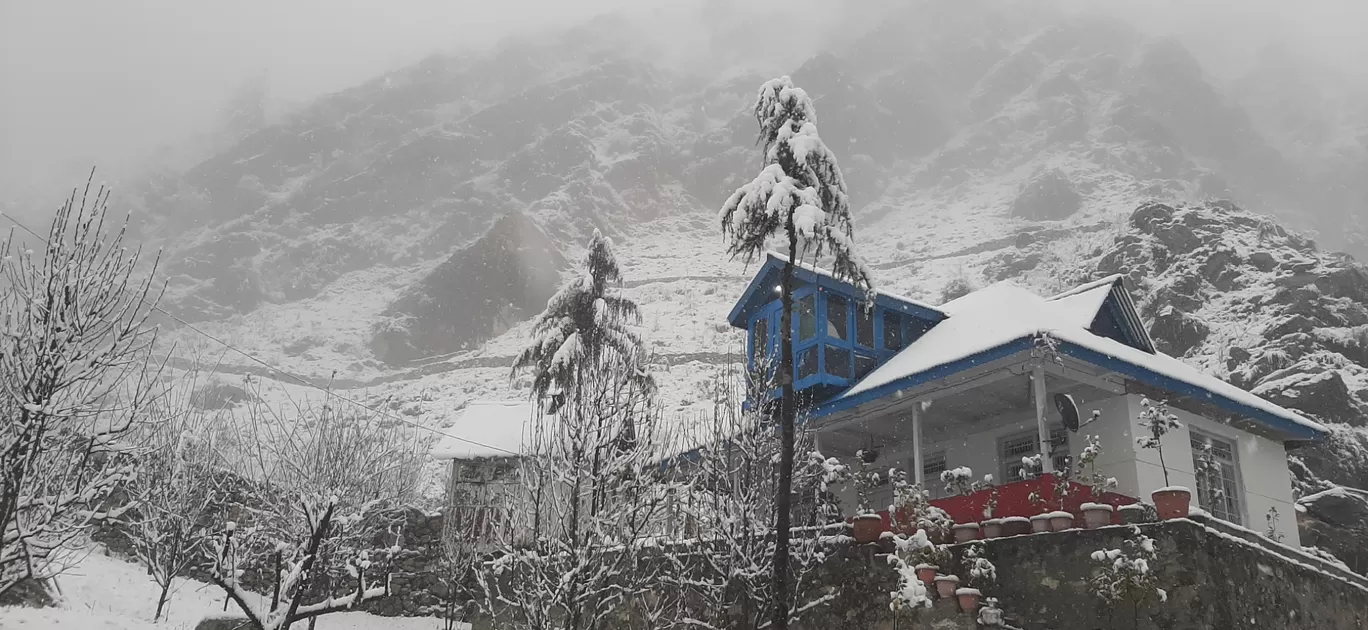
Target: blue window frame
837,340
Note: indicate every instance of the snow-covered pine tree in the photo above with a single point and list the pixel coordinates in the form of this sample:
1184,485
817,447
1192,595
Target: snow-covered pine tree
592,494
799,193
583,322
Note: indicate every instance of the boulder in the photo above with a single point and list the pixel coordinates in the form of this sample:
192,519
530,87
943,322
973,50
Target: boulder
1049,197
1321,393
1263,261
1336,520
1175,332
224,622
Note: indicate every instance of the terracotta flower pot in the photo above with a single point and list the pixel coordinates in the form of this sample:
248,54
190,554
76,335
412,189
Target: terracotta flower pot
1096,515
868,527
1172,502
992,528
1060,521
1040,523
946,585
966,532
927,574
968,599
1016,526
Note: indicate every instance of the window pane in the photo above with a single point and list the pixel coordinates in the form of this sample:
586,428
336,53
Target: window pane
838,361
807,363
838,318
892,331
864,364
1217,486
864,326
760,342
807,317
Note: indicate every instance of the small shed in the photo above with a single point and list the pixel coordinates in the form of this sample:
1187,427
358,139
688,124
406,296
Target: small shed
484,468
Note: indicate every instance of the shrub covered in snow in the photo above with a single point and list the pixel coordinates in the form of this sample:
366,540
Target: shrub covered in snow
1125,576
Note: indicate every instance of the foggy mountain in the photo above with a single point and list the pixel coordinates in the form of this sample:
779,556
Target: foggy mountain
399,234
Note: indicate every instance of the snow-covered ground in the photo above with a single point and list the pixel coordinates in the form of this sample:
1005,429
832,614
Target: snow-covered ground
106,593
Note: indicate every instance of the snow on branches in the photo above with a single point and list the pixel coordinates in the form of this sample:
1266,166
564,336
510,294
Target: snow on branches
1127,575
586,322
75,373
800,190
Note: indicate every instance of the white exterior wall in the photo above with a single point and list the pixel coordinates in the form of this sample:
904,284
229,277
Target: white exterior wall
1262,464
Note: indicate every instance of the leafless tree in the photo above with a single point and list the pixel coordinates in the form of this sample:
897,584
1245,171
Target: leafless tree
320,473
733,511
177,488
75,375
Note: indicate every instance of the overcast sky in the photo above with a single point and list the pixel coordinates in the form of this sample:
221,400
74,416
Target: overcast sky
109,81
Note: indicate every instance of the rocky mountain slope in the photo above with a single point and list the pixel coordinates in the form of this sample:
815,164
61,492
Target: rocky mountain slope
393,238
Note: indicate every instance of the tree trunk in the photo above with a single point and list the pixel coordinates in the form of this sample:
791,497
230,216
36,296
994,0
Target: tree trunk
161,599
788,411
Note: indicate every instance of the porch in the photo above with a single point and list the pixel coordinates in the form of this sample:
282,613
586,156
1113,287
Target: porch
988,419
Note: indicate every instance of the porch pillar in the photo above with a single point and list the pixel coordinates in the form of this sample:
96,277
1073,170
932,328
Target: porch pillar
1038,393
917,467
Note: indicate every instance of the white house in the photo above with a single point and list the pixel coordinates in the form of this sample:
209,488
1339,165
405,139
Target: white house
970,383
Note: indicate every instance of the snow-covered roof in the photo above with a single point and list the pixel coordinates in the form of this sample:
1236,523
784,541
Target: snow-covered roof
488,429
760,290
1003,319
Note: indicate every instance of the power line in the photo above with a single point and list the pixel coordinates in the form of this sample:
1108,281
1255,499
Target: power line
300,379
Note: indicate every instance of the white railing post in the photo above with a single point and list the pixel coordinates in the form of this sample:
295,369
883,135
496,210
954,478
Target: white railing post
917,467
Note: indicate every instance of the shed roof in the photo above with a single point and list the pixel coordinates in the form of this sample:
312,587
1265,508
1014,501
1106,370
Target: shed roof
489,429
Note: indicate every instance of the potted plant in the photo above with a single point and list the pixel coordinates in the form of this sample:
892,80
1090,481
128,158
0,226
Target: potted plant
965,532
1016,526
946,585
910,503
868,525
1136,513
1060,520
1096,515
927,573
981,573
992,527
1155,418
1040,523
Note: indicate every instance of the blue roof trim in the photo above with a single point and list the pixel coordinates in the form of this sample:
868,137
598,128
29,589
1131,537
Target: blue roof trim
1150,377
941,371
754,296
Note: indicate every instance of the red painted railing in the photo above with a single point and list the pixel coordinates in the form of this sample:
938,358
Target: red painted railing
1013,500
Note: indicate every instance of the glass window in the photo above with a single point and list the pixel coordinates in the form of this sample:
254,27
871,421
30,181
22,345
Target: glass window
1027,445
838,318
760,342
807,317
1218,489
837,361
933,465
864,364
864,326
807,363
892,331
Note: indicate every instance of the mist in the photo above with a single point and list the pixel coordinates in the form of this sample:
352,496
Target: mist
134,85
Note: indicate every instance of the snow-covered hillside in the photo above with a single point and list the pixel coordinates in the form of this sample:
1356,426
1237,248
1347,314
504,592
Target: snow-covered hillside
979,146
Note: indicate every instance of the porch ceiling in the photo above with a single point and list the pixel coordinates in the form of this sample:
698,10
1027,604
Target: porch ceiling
979,401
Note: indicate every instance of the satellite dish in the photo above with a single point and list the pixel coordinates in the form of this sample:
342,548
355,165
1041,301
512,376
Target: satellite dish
1068,411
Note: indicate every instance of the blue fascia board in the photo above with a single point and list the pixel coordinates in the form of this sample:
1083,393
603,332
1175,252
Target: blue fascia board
941,371
1150,377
